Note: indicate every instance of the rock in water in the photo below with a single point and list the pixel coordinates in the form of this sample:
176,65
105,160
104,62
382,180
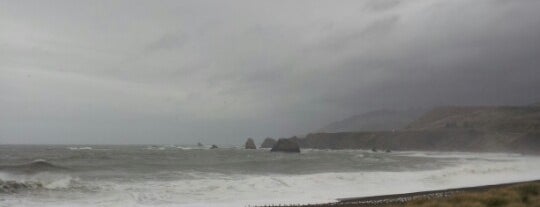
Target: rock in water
214,146
268,143
250,144
286,145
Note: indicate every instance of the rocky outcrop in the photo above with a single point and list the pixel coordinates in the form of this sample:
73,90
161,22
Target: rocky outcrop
214,146
286,145
250,144
268,143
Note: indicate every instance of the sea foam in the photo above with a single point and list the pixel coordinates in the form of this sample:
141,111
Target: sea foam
197,188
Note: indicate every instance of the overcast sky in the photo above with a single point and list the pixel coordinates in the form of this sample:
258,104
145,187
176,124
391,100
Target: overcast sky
179,72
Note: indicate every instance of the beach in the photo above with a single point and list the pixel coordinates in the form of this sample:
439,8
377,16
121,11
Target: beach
486,195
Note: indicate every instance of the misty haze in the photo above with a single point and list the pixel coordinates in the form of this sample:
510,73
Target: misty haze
270,103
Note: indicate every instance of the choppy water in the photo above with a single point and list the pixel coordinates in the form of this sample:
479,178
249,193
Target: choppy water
190,176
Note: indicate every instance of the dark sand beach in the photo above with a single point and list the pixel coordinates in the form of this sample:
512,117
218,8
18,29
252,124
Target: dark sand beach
508,194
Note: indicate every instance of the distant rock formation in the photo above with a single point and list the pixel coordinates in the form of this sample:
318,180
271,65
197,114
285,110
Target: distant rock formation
286,145
250,144
214,146
200,145
268,143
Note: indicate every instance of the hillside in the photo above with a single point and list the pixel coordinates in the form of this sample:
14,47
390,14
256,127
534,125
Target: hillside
379,120
488,129
502,119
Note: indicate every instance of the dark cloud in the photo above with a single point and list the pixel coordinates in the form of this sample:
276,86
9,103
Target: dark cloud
180,72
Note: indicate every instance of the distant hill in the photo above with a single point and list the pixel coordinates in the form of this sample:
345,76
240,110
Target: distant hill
484,129
518,119
380,120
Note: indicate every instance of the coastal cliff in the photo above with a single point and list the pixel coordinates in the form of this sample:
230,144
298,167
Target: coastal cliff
478,129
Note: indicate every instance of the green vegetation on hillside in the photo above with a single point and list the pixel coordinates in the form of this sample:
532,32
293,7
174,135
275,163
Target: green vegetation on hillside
527,195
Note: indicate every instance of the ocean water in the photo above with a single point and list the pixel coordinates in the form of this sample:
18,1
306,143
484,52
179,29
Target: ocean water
191,176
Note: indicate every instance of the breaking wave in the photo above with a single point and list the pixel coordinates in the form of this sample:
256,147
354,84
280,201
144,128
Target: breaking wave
35,166
169,178
13,183
79,148
38,174
12,186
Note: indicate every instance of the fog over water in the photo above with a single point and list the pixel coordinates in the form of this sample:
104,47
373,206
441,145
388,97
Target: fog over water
180,72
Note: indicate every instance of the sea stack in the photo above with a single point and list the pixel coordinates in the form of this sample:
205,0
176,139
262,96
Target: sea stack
250,144
268,143
286,145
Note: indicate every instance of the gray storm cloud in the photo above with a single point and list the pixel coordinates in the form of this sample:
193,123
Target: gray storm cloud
101,72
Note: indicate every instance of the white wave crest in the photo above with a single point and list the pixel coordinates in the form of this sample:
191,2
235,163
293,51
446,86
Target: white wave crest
80,148
217,189
220,189
46,180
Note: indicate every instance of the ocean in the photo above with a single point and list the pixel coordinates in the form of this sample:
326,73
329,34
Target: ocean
197,176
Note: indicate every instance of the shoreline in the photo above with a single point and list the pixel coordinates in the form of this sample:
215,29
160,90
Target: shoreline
403,198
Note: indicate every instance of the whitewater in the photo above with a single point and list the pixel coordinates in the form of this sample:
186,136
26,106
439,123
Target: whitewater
196,176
